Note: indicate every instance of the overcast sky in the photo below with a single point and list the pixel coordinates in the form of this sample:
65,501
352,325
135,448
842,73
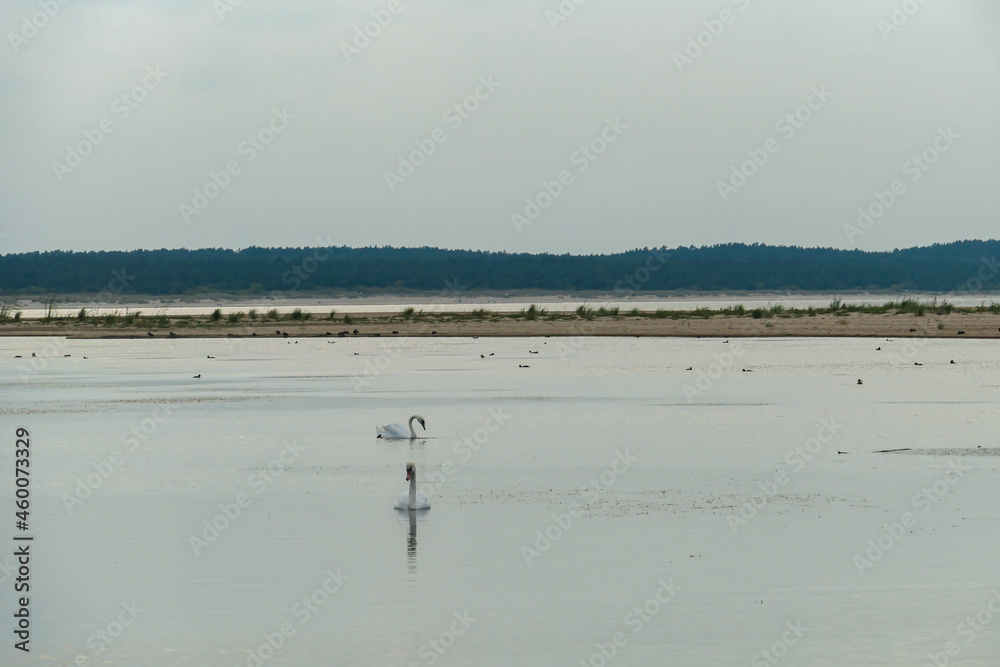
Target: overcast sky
183,84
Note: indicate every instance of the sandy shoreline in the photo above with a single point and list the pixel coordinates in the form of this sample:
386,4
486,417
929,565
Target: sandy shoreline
952,325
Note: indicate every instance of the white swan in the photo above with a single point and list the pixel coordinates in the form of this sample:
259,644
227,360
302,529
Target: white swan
412,500
398,432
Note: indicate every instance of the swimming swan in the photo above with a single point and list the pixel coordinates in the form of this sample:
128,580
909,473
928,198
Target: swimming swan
411,500
397,432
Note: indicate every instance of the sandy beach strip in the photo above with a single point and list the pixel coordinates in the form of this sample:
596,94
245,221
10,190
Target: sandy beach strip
952,325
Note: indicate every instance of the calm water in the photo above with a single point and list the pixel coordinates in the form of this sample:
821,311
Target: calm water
636,468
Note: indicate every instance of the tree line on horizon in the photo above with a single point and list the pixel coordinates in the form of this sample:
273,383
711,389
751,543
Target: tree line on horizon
964,266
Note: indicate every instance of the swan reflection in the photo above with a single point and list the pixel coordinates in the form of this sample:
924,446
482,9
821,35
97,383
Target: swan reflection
411,545
411,502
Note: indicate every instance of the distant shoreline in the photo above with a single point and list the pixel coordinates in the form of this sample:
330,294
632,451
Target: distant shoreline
908,319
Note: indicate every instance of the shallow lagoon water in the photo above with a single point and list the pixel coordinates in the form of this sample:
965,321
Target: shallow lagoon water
673,516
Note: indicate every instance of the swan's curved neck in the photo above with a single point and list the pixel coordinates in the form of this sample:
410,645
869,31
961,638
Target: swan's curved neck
413,433
413,488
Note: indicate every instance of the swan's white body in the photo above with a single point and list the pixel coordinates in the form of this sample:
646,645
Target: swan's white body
412,499
398,431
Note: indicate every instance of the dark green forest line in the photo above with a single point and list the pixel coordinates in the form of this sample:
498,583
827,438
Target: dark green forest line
966,266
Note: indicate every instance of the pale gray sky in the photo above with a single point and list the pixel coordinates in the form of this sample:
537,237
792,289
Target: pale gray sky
674,129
